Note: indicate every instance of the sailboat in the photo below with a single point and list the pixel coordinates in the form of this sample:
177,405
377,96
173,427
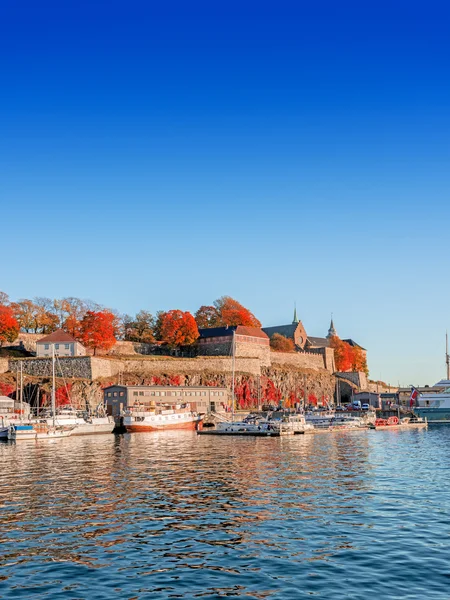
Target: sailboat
37,430
252,425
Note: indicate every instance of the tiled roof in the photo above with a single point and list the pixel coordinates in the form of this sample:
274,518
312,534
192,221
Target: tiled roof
353,343
319,342
228,331
57,336
286,330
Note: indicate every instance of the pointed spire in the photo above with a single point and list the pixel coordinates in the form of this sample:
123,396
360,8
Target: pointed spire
332,330
295,314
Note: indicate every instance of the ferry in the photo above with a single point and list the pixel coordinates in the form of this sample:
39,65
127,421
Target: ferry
435,408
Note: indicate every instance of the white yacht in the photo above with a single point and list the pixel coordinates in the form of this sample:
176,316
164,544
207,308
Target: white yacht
435,407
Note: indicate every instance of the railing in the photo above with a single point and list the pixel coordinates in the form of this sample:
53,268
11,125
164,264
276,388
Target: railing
220,417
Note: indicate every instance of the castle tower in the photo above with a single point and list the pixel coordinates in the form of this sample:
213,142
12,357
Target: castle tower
332,331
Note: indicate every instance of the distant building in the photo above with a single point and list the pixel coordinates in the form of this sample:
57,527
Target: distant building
64,344
201,398
250,342
294,331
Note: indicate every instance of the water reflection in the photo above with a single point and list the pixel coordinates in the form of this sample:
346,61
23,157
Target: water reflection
181,516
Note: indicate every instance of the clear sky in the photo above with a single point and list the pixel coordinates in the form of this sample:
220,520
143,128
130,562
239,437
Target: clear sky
159,155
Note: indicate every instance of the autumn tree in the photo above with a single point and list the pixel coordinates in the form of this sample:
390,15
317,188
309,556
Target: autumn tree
4,299
359,360
25,311
233,313
9,327
97,330
178,328
280,343
226,311
139,329
207,316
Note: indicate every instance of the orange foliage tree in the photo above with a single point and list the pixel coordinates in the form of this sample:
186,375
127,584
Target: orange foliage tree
9,326
226,311
177,328
97,330
348,358
359,362
280,343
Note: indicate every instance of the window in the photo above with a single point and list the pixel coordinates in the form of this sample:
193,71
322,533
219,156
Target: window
109,394
141,393
57,346
121,393
47,346
67,346
152,393
135,393
115,394
163,393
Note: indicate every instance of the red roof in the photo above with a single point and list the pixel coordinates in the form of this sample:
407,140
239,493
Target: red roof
253,331
58,336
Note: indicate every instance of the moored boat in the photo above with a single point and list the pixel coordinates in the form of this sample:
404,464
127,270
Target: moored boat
136,419
435,408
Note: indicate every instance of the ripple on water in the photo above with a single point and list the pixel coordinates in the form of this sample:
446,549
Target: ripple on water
179,516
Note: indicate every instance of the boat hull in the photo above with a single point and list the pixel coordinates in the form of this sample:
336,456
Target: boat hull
136,427
433,415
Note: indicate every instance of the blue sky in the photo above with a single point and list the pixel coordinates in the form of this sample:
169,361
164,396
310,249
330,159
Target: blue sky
162,156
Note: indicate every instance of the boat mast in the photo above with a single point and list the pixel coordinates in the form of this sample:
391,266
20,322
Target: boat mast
53,385
447,358
233,369
21,391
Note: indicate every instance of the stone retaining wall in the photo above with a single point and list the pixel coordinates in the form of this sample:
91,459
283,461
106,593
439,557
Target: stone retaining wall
304,360
92,367
4,365
77,366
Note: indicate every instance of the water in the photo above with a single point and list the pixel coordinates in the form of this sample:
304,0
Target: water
173,515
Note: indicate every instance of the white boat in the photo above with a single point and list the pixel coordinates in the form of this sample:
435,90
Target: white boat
137,419
435,408
21,432
331,420
81,423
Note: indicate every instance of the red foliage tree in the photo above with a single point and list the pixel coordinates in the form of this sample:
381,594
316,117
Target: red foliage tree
97,330
280,343
231,312
178,328
9,326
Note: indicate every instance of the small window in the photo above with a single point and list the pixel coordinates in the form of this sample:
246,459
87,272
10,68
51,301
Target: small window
121,393
67,346
46,346
109,394
152,393
163,393
57,346
135,393
141,393
115,394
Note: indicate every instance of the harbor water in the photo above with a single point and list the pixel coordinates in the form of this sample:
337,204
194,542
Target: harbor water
174,515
